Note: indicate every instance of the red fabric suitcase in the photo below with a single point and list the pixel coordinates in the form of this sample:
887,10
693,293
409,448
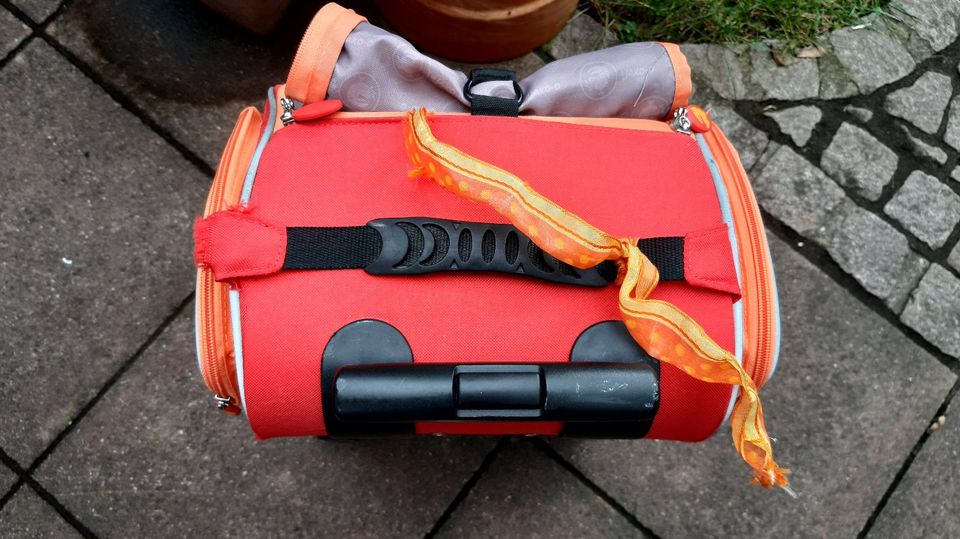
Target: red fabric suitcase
337,296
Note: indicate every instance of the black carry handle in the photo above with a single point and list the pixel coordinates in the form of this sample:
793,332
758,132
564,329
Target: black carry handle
488,105
568,392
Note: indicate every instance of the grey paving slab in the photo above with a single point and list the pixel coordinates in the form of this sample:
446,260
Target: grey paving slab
797,78
38,10
7,479
12,32
925,503
954,258
95,237
952,134
923,150
155,441
194,76
26,515
526,494
934,21
849,400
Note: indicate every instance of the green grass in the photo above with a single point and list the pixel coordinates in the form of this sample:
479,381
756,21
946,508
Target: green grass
795,22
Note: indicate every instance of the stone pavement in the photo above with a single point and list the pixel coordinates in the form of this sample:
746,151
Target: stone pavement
107,430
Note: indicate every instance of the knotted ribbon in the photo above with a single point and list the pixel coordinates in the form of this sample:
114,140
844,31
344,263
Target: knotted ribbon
663,330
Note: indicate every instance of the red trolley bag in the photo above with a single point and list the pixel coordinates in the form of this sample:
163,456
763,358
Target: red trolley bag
577,253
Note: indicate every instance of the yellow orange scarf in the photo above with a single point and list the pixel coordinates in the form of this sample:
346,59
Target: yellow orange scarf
662,329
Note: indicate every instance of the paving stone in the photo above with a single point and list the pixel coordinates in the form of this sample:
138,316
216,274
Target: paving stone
720,67
952,135
38,10
954,258
798,79
923,150
27,515
925,503
581,34
842,424
859,161
95,236
797,122
874,252
871,58
926,207
862,114
955,175
922,103
796,192
7,479
934,309
526,494
12,32
747,139
217,70
155,441
835,82
935,21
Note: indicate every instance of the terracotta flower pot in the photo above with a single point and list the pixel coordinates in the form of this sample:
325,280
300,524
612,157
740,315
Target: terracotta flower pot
259,17
478,30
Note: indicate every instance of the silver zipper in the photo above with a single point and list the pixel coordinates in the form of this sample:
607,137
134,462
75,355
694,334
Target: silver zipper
223,402
287,117
681,123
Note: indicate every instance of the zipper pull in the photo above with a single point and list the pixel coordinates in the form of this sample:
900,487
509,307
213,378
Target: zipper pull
226,404
287,116
681,122
690,120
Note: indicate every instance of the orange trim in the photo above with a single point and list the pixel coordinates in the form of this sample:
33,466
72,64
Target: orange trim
757,289
318,52
681,74
213,307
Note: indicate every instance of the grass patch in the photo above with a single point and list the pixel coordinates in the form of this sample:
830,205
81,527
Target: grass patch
795,22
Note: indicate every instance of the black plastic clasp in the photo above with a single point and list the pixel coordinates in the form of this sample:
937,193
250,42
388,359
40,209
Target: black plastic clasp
414,246
487,105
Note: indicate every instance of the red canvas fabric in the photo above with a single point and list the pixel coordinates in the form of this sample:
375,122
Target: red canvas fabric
344,172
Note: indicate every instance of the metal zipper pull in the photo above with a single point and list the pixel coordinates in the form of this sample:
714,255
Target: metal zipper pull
226,404
681,122
287,116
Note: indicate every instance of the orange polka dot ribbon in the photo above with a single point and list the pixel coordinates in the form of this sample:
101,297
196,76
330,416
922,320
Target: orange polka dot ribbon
662,329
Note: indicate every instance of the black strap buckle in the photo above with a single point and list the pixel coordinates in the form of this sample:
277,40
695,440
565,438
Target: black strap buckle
487,105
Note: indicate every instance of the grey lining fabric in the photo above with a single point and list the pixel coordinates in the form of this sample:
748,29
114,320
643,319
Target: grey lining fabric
378,71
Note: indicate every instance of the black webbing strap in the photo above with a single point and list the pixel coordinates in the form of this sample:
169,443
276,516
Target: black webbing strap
666,253
325,248
419,245
488,105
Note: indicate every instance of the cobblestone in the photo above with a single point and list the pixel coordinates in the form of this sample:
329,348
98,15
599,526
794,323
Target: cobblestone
923,103
796,192
875,253
581,34
862,114
799,78
935,22
749,141
955,175
934,309
954,258
923,150
797,122
37,9
856,159
719,67
925,207
952,135
872,59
